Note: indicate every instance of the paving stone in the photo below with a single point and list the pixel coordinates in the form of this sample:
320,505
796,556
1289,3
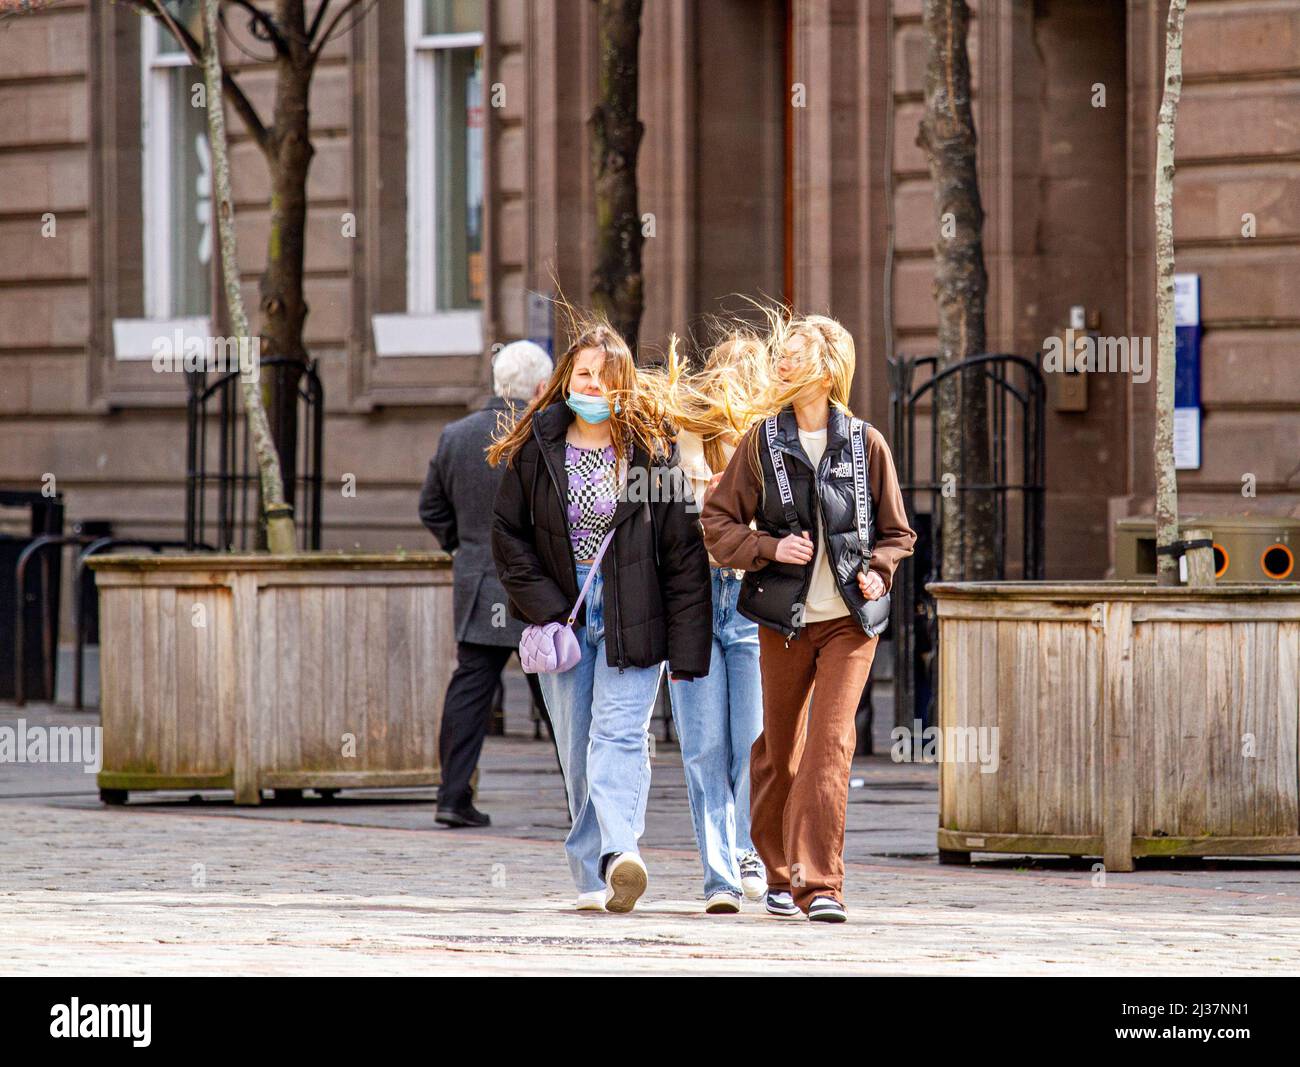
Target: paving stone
369,884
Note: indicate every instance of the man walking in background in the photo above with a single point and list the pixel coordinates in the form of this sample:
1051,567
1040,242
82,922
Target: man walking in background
456,506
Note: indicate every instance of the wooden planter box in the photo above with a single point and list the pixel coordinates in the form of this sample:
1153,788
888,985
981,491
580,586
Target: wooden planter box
249,672
1132,720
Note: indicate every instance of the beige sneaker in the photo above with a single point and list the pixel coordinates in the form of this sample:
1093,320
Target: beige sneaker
626,878
593,901
753,876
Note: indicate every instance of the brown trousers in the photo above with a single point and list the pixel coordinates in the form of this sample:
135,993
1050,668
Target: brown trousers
799,766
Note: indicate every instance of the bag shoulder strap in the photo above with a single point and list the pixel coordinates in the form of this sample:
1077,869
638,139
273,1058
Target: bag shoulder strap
782,478
595,566
861,485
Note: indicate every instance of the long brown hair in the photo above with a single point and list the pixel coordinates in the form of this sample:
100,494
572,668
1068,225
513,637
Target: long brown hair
641,414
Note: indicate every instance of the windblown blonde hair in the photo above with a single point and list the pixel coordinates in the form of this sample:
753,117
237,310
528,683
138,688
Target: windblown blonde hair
826,351
717,401
642,414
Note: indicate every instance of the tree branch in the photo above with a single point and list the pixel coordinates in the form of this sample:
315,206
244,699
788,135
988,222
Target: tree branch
317,20
230,36
242,105
273,33
351,5
18,7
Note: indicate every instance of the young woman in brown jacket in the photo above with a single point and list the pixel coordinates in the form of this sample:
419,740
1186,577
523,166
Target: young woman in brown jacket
828,530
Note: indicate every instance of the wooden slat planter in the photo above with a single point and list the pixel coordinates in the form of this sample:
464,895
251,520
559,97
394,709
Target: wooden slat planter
1132,720
248,672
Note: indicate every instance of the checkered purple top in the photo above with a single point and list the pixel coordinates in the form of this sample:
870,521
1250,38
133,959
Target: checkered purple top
593,494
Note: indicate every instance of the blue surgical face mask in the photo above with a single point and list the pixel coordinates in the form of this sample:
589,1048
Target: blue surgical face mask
592,408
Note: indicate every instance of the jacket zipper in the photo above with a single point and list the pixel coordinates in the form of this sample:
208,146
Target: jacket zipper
821,507
807,582
564,507
840,588
808,568
613,597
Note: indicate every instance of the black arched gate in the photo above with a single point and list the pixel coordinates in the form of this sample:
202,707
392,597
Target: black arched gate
222,478
1016,412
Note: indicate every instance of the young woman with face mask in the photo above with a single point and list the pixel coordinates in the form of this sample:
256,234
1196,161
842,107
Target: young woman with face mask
584,461
828,530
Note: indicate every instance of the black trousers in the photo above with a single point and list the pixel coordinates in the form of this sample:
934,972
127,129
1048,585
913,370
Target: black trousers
467,713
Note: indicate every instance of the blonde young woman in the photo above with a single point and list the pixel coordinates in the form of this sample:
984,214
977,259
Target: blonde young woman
571,462
720,716
829,529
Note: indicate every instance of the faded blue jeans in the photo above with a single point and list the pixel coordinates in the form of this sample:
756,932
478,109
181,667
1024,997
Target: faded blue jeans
601,718
718,719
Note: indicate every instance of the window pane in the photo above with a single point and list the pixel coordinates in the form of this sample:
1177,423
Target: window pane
453,16
191,197
185,12
458,155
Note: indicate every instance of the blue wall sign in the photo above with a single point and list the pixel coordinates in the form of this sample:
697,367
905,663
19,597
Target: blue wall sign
1187,371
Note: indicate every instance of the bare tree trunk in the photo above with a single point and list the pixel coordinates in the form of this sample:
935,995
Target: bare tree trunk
947,133
283,304
1166,476
616,137
278,515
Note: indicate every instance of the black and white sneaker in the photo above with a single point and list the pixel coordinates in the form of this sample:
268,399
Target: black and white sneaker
826,910
781,905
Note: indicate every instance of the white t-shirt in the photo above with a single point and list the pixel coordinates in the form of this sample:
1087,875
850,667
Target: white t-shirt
824,599
690,448
690,452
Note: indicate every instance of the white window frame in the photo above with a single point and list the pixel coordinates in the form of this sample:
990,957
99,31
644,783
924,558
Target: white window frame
133,338
424,330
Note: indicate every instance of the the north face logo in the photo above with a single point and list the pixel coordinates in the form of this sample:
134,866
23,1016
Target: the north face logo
842,470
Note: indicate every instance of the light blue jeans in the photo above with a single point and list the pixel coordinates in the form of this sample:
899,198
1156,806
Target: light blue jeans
718,718
601,718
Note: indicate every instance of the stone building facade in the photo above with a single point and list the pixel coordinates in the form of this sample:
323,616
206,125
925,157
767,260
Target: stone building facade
452,185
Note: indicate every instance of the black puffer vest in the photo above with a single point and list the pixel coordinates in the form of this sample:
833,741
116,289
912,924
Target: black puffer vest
774,595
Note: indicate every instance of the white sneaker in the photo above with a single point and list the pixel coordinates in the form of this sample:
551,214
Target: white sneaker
626,878
753,875
723,902
593,901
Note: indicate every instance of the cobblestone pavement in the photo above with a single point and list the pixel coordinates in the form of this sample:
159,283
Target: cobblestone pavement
369,884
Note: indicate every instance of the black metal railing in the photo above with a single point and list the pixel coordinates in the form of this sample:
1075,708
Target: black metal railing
42,549
1016,396
221,474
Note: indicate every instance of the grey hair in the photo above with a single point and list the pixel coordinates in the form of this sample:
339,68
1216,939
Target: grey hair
518,369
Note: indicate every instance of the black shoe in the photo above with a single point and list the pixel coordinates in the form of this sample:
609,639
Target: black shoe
466,816
826,910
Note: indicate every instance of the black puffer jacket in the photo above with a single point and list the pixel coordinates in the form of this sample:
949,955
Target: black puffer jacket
658,597
774,593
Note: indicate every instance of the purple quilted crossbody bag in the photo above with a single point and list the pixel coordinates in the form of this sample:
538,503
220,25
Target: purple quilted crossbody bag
552,647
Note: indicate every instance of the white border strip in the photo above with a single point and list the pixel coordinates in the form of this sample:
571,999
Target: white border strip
134,339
